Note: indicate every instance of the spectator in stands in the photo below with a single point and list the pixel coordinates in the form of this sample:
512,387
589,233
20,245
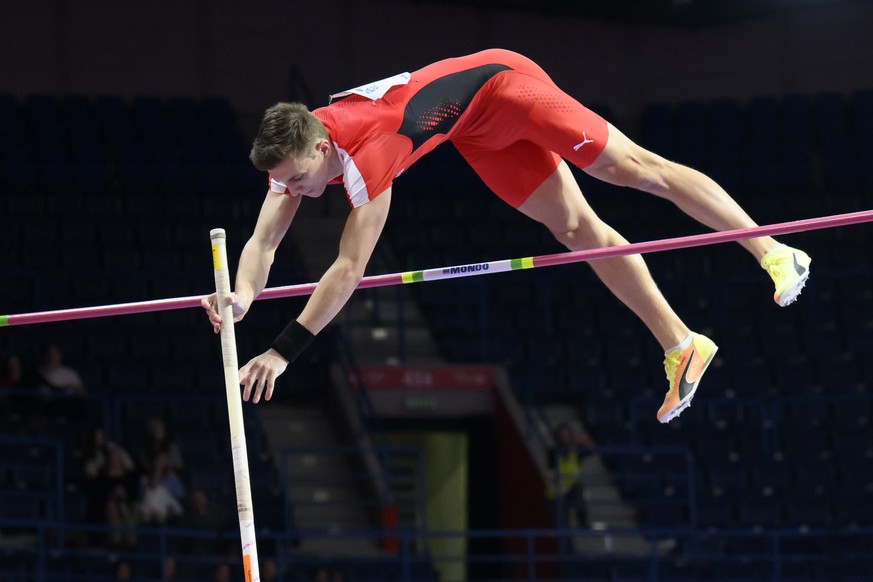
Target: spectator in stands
11,376
119,468
162,493
513,125
98,452
171,570
158,441
325,574
122,570
112,496
121,515
11,372
54,374
564,487
201,514
268,571
105,465
221,573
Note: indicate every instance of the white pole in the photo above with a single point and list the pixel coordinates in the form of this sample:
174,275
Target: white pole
234,408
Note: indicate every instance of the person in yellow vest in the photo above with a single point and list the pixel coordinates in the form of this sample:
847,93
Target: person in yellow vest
564,487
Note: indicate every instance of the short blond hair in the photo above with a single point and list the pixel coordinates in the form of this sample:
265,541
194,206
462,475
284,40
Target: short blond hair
287,130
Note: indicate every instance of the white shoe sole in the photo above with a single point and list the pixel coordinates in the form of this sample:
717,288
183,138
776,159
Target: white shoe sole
790,295
683,404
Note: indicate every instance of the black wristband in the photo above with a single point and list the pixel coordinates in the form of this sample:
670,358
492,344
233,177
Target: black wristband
292,341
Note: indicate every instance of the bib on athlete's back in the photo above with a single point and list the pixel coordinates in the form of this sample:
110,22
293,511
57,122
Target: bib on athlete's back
376,89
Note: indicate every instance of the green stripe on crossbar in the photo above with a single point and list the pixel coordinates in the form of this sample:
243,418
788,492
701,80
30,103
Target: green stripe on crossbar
4,320
524,263
412,277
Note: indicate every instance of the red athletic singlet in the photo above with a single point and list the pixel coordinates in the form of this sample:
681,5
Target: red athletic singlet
502,112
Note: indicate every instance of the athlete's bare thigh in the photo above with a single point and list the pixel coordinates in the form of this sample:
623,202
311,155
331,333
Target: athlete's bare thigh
558,203
622,162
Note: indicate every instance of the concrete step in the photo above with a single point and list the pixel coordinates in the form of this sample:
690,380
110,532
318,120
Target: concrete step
325,493
323,515
324,488
315,463
287,426
380,312
327,548
381,344
308,433
610,545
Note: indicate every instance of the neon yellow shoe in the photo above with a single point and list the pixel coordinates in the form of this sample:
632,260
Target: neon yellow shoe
789,269
685,367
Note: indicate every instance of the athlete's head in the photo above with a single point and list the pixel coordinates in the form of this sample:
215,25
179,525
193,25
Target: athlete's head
287,130
292,144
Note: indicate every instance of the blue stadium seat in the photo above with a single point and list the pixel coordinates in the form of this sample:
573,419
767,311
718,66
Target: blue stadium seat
597,413
631,571
691,133
850,413
763,123
726,137
406,235
658,130
804,413
804,512
715,509
121,257
769,471
139,177
853,510
814,472
805,440
110,343
23,505
177,178
760,508
241,175
40,257
83,258
729,475
797,122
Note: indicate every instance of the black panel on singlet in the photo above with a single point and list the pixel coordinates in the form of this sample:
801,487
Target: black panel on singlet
438,105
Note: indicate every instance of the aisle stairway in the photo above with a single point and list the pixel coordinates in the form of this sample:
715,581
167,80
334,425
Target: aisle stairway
605,508
326,487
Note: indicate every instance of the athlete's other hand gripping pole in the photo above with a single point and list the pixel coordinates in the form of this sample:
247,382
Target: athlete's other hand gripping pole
234,408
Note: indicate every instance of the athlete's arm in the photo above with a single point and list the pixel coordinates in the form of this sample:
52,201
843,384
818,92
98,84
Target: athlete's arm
276,214
275,217
362,230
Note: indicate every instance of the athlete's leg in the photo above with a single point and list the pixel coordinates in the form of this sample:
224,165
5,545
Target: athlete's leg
539,184
624,163
558,123
558,203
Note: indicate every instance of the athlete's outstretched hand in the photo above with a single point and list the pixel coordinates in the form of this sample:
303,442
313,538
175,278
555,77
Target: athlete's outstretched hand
238,303
259,375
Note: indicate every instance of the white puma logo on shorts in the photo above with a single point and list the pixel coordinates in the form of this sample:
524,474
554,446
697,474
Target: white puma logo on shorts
583,142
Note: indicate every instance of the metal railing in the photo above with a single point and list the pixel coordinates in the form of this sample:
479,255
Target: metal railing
530,554
33,474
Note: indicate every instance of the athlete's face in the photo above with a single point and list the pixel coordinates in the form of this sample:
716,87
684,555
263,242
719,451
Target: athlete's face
306,175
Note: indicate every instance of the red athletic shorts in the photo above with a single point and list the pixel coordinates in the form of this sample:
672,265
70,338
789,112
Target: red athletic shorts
523,125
